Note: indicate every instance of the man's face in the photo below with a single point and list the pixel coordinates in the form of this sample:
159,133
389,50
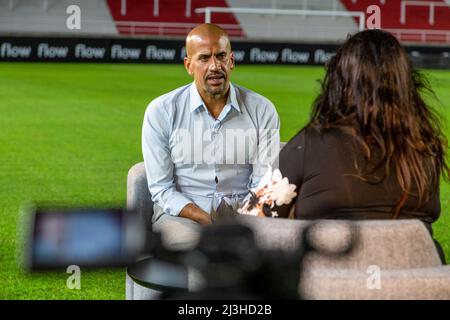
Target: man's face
210,62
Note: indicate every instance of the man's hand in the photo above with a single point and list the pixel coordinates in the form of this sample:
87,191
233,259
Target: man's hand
191,211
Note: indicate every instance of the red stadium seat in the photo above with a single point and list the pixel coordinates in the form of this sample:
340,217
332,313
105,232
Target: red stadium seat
170,17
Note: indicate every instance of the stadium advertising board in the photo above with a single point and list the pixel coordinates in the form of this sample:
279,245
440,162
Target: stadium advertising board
173,51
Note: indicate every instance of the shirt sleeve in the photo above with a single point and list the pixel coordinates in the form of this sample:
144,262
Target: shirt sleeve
159,166
268,143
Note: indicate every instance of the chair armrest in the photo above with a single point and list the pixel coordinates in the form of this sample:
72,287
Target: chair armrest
138,195
402,284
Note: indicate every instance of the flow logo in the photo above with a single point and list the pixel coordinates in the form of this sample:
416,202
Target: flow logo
73,22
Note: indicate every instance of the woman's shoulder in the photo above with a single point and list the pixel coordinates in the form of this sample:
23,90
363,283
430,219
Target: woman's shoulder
312,141
298,142
311,133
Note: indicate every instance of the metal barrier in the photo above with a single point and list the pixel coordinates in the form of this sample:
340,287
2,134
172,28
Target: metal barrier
323,13
431,4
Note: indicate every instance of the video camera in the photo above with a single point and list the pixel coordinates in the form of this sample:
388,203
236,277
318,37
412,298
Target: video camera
227,256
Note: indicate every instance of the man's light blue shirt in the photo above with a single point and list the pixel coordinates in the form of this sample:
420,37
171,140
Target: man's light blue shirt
192,157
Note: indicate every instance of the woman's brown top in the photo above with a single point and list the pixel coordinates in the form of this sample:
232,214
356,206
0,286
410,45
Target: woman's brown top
323,165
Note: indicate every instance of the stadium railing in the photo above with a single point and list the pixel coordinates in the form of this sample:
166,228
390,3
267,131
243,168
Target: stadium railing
167,28
430,4
323,13
424,36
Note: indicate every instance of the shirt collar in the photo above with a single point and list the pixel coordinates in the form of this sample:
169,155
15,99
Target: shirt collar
195,100
232,100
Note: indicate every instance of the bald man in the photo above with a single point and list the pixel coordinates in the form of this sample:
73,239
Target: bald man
206,144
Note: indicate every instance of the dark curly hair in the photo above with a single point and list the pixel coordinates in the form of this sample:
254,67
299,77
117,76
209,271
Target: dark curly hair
372,92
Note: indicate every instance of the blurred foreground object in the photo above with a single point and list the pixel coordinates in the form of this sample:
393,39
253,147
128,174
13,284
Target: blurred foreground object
255,258
59,237
371,259
230,265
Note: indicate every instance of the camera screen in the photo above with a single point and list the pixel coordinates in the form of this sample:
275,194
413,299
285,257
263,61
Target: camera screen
84,237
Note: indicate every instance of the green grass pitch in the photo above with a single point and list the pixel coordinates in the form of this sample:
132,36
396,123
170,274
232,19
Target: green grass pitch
70,132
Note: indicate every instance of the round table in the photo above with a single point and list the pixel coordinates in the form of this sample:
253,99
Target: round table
163,276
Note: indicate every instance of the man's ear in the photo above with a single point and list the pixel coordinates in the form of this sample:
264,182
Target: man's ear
232,65
187,65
